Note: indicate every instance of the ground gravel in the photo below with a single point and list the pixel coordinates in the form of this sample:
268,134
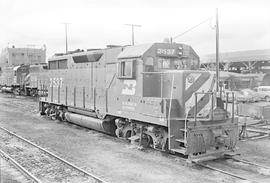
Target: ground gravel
107,157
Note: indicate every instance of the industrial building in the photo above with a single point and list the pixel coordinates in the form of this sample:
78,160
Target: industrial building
12,56
252,62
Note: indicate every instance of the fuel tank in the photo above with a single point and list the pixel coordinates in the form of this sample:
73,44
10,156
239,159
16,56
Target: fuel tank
101,125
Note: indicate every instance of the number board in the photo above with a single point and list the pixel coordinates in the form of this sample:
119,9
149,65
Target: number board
167,52
56,82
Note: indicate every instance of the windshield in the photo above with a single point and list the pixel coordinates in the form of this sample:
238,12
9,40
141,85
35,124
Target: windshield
177,63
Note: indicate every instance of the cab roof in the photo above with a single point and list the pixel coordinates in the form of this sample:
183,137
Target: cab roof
134,51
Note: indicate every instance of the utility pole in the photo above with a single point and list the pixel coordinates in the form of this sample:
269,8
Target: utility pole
66,35
132,30
217,52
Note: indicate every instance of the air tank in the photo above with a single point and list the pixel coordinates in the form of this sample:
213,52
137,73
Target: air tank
101,125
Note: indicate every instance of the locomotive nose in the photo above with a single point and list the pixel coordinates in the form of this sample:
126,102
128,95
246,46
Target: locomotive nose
219,114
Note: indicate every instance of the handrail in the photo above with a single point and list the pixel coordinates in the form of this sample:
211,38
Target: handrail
170,108
232,106
155,73
161,87
227,101
185,132
195,111
170,105
212,105
111,80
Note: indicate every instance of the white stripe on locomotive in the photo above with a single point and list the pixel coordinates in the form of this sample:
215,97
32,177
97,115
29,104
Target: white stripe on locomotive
205,87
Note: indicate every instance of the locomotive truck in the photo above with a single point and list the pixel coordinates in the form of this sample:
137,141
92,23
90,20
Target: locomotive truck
152,94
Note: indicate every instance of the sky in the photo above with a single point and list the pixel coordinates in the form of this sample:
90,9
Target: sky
243,24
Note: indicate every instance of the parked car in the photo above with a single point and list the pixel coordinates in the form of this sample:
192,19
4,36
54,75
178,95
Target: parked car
244,95
253,95
264,90
239,96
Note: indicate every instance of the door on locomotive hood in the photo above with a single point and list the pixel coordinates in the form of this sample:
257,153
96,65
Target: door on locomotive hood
122,86
151,80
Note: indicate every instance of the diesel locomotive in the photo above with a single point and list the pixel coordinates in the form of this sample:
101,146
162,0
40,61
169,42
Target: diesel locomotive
16,67
12,78
152,94
24,79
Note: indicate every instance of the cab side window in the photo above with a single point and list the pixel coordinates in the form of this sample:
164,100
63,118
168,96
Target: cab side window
126,69
149,64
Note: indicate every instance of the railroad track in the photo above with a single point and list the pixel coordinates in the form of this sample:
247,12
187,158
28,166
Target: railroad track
240,169
222,166
39,164
26,176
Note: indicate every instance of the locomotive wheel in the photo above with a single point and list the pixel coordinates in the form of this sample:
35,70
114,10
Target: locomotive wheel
61,116
42,112
146,140
127,134
118,132
47,111
27,92
165,146
16,92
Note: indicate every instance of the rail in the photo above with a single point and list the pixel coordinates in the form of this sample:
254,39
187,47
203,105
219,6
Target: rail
54,155
15,163
225,172
242,177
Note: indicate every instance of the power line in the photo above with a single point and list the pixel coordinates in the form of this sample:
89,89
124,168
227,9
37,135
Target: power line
206,20
132,30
